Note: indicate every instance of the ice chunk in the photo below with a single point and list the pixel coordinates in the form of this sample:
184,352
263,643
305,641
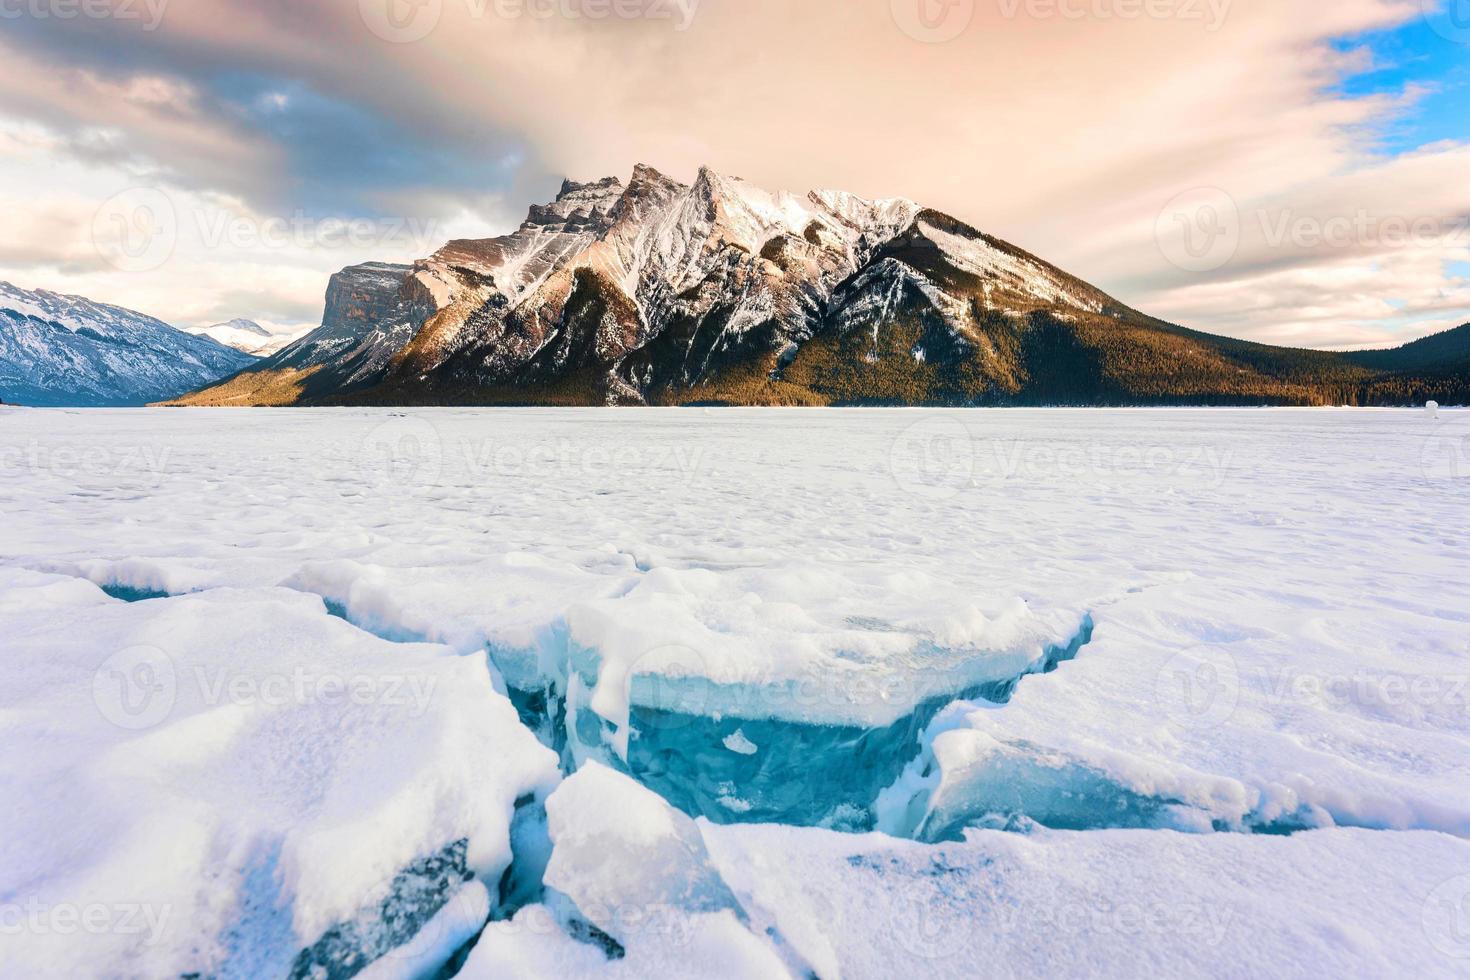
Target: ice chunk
623,856
1100,903
715,946
630,891
262,777
456,923
737,742
967,778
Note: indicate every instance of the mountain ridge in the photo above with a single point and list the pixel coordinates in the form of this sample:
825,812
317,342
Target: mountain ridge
652,291
58,349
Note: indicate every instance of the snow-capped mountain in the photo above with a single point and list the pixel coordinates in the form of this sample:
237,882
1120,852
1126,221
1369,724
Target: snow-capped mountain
68,350
246,336
658,292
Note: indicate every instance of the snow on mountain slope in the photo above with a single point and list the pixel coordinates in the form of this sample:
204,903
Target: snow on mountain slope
247,336
68,350
470,284
655,291
655,282
640,289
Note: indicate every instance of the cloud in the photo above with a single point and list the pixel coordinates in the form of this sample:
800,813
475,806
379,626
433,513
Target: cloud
1066,126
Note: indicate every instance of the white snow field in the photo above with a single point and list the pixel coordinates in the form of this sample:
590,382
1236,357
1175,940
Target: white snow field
847,694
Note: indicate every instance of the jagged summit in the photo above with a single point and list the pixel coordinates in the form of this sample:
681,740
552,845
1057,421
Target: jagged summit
657,291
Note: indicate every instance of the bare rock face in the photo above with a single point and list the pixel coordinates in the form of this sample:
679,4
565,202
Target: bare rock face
369,316
644,291
656,291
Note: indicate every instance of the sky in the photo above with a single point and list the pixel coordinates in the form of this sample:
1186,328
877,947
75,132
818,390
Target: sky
1288,171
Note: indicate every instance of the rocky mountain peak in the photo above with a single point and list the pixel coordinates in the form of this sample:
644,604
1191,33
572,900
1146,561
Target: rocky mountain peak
577,206
657,291
648,192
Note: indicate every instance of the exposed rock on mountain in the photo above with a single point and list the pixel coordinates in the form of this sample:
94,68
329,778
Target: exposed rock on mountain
658,292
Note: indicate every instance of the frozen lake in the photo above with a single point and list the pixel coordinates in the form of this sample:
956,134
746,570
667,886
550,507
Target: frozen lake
986,693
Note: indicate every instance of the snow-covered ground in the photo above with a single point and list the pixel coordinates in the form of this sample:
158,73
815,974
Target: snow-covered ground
858,694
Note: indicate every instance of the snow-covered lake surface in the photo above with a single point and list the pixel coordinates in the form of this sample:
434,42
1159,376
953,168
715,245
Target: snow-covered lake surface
735,693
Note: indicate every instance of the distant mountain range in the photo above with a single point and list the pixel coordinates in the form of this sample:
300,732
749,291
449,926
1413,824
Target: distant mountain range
657,292
246,336
58,350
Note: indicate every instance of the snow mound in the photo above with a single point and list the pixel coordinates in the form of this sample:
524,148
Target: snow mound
258,777
618,847
630,891
1101,903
